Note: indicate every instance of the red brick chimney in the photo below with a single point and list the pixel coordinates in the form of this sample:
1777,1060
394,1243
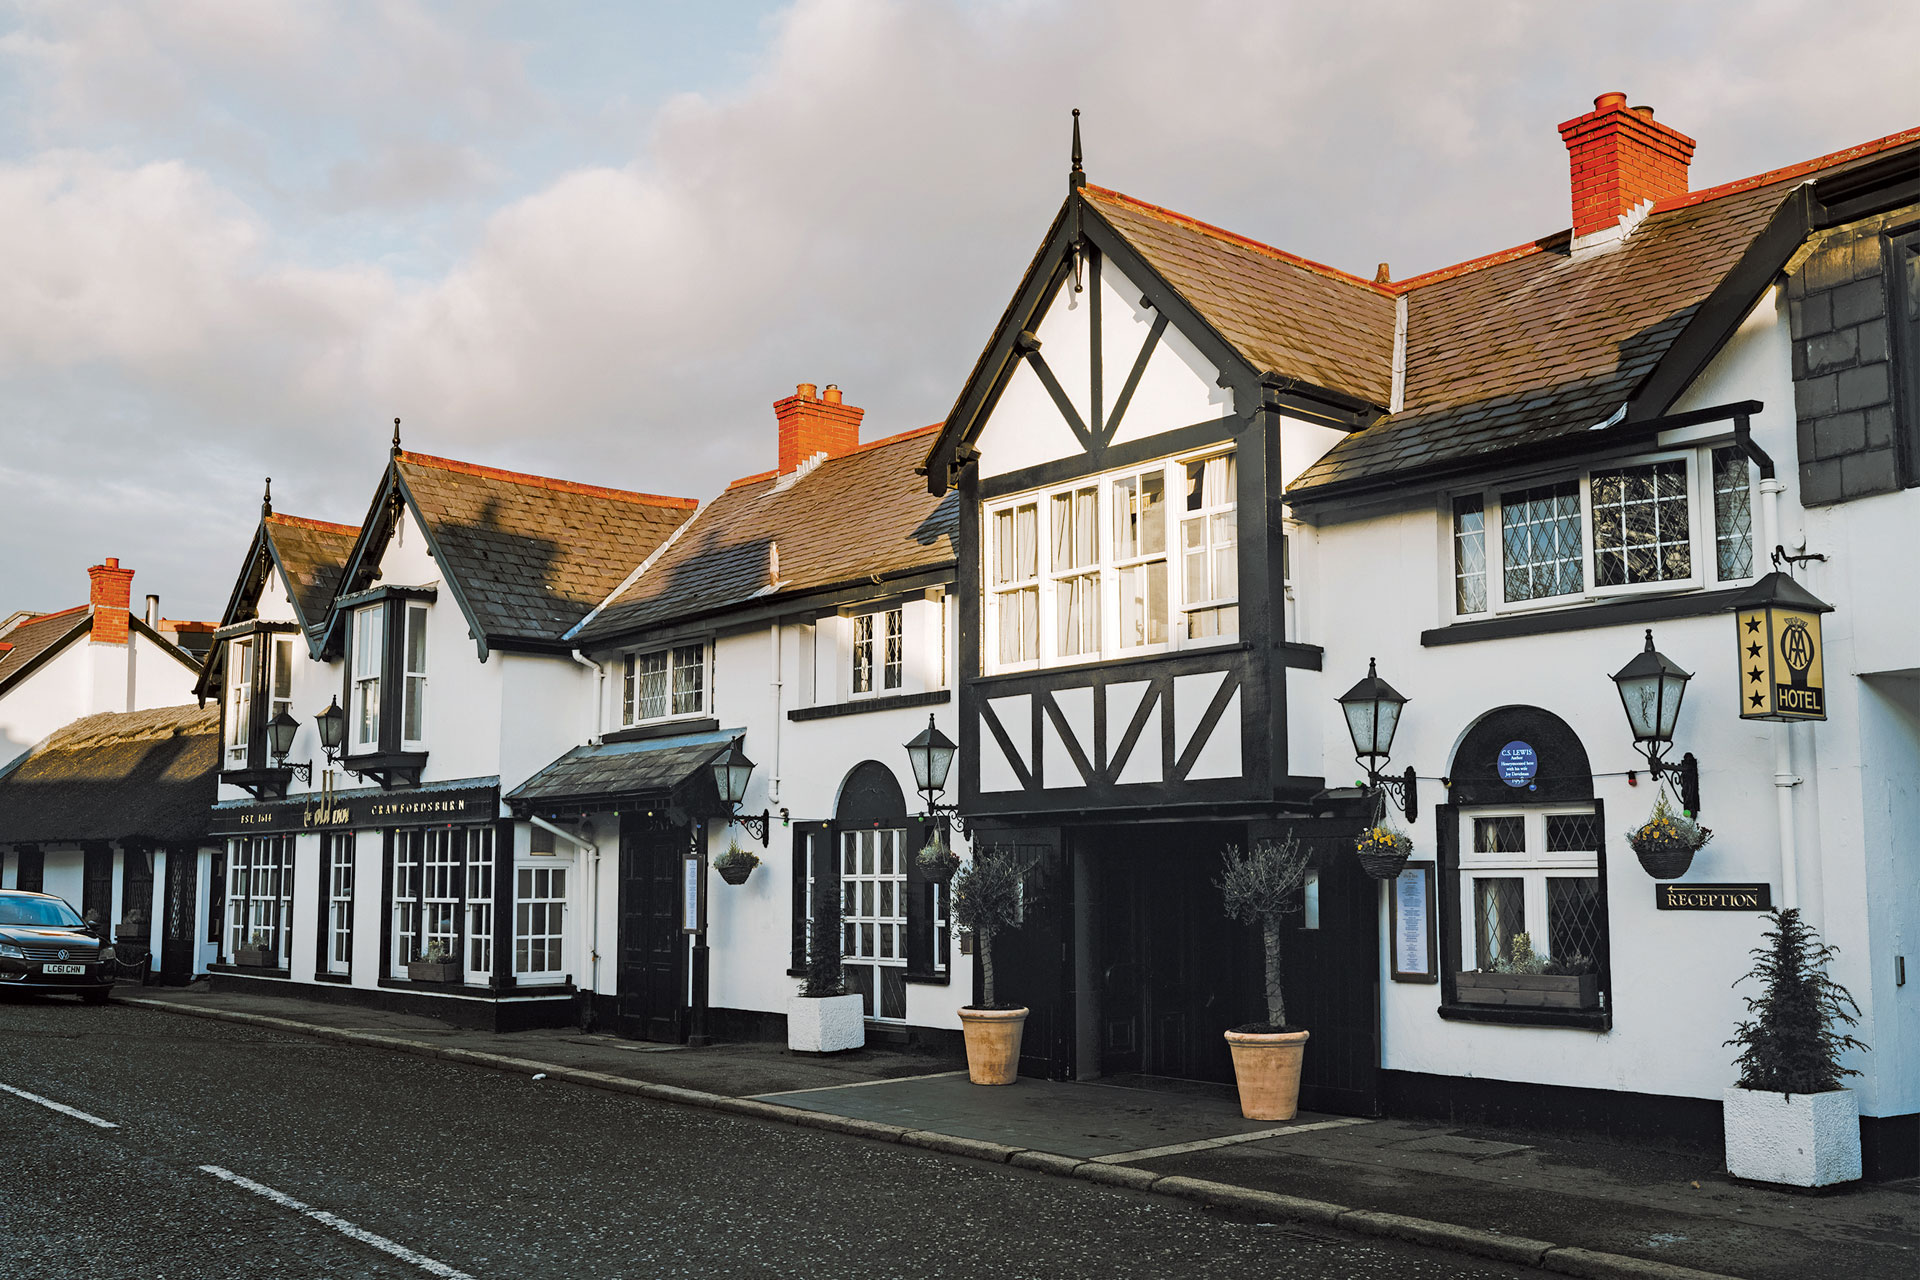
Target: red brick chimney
810,426
112,593
1621,158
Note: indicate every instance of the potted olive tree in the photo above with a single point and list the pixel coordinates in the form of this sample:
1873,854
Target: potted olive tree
986,899
1262,888
825,1017
1789,1120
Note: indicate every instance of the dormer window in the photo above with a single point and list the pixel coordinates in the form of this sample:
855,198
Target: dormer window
259,687
369,651
386,680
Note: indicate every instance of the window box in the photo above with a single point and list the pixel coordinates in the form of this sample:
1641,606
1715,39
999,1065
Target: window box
254,958
433,970
1529,990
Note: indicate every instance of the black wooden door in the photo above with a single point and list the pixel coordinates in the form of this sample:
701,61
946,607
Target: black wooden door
1331,972
1033,963
1169,965
175,929
652,999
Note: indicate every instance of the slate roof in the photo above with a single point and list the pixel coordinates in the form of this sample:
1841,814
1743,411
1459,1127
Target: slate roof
846,519
530,555
116,776
33,637
1285,314
313,554
662,769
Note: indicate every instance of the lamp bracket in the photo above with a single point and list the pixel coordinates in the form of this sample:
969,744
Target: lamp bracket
1403,787
951,812
1783,556
758,825
1685,775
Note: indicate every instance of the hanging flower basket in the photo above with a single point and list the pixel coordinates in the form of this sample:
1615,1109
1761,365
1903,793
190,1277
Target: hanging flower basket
1383,851
1666,842
736,864
938,860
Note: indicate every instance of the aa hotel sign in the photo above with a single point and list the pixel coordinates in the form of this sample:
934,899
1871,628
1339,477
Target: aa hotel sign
1782,675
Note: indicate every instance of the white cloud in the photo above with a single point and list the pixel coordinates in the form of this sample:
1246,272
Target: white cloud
856,211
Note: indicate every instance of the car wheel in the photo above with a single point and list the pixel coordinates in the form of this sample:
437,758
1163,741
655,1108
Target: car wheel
97,996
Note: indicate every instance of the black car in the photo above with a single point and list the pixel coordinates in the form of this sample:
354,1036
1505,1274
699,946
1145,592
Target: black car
45,946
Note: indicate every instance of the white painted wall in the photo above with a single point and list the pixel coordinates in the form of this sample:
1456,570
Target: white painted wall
1378,580
85,679
1177,388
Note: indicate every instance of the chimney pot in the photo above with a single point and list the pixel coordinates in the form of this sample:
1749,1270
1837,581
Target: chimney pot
153,612
810,426
1620,158
1383,274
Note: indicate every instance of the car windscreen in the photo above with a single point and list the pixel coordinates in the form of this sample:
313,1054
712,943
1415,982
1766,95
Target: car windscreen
46,912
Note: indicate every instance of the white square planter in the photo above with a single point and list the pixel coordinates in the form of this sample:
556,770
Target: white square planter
826,1024
1796,1139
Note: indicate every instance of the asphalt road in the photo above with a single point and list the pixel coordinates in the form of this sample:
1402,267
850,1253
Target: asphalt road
246,1154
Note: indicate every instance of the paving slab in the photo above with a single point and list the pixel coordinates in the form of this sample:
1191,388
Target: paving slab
1085,1121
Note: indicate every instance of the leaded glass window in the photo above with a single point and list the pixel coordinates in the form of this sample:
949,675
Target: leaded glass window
1641,531
1469,554
1540,542
1533,872
1732,514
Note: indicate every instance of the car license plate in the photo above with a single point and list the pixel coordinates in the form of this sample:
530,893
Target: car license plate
65,970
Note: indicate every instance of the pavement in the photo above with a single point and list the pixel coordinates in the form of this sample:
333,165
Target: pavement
1569,1206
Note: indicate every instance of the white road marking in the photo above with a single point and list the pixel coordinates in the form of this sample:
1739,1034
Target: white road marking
61,1107
339,1224
1205,1144
860,1084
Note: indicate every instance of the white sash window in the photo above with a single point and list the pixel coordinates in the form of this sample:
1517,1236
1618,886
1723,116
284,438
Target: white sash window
369,649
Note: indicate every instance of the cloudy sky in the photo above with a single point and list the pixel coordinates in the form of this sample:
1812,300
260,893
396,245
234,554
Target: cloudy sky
238,237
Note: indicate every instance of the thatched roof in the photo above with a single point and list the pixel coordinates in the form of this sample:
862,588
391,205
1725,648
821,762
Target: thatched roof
118,776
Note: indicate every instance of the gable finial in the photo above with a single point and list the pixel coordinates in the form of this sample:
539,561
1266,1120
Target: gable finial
1077,177
266,499
396,437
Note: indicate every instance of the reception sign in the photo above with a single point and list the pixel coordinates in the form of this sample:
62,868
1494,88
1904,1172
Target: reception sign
1713,897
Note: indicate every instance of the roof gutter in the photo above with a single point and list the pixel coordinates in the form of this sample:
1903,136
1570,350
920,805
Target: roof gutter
1572,444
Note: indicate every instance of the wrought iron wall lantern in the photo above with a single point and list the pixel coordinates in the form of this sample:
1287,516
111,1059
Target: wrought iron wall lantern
730,773
333,736
1373,710
281,731
1651,688
930,752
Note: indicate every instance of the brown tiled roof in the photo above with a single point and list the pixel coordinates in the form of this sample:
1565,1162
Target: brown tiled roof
532,555
116,776
847,519
1532,344
35,636
313,554
1285,314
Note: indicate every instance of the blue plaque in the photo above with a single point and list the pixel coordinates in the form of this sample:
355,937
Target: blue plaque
1518,764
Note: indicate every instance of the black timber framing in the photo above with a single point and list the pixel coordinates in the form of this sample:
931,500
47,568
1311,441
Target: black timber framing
1254,428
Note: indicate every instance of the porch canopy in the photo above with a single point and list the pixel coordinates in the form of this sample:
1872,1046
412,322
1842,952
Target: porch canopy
120,776
658,773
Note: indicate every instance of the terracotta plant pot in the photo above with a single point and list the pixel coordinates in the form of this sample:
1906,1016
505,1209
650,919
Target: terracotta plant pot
993,1043
1266,1066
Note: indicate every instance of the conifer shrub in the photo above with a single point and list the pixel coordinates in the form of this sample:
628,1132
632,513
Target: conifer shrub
1793,1042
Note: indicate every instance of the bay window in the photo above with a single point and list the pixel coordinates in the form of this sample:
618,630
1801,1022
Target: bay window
1082,593
1208,549
1140,557
336,856
1639,526
1016,582
260,897
369,648
239,701
413,703
259,686
663,684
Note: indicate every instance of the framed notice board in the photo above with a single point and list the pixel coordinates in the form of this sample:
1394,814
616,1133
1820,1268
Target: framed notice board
1415,935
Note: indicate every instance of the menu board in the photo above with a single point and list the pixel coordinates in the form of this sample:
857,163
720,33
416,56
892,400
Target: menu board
690,886
1413,925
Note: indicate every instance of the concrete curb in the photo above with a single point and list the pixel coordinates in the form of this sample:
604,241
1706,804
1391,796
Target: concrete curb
1591,1264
